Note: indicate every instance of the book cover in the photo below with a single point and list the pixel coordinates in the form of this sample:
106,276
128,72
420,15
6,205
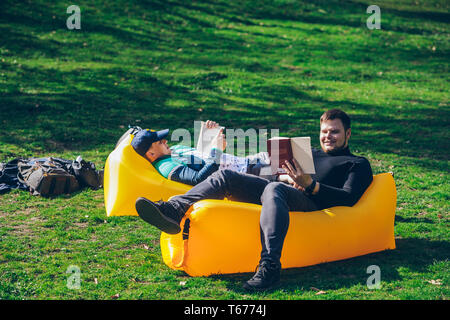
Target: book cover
283,149
280,150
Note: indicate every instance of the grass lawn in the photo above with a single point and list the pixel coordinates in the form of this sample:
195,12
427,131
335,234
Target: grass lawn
246,64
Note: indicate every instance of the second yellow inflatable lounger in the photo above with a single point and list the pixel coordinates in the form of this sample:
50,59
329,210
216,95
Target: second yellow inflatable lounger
128,176
224,235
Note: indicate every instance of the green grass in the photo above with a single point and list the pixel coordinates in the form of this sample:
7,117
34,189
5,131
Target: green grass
275,64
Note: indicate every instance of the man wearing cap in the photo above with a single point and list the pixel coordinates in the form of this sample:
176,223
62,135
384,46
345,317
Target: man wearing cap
183,164
341,179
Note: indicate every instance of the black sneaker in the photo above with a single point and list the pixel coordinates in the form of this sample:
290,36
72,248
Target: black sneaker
159,214
266,277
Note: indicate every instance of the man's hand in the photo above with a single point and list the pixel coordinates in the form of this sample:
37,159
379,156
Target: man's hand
219,141
300,179
211,124
286,179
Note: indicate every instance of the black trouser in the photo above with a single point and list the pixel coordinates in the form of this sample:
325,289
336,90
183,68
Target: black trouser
277,200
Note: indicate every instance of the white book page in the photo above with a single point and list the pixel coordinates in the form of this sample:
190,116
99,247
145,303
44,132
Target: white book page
301,149
204,143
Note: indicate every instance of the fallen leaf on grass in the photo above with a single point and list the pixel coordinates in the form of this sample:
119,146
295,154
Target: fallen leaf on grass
436,282
318,291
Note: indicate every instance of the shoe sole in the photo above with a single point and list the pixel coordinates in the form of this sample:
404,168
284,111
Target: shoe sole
269,288
152,215
273,286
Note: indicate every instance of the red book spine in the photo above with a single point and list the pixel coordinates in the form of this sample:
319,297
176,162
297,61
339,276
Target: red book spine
280,150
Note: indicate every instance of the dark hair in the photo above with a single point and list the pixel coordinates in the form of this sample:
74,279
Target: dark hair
336,114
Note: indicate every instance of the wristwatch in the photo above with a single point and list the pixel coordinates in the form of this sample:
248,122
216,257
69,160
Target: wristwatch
309,190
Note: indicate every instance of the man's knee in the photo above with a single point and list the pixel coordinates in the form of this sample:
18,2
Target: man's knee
272,190
226,177
223,174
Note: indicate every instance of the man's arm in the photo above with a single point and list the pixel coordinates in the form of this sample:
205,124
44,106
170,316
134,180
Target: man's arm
358,180
188,175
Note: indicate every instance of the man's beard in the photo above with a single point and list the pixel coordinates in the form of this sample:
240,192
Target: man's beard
338,150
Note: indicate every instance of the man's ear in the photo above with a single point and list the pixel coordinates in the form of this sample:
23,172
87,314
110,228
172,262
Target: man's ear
348,133
149,155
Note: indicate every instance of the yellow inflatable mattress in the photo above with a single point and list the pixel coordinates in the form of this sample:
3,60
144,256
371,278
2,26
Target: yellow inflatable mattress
223,236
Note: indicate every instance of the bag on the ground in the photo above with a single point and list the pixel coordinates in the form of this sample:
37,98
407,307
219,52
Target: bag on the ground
8,177
86,173
47,176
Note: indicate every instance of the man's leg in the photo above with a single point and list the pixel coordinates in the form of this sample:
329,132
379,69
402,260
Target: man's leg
223,183
277,200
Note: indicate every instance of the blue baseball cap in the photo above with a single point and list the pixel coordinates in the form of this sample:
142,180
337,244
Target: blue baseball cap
143,140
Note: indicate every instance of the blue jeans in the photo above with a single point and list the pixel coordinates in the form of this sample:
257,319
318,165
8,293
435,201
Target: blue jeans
276,198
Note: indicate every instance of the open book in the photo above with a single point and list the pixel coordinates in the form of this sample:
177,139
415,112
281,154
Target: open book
205,138
285,149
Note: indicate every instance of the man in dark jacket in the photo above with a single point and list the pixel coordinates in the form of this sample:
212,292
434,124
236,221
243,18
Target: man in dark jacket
341,179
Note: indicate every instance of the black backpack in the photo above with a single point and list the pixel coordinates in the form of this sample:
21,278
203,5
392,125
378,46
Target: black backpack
47,176
55,176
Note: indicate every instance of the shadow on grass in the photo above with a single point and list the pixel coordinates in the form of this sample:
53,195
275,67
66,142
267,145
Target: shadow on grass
334,13
90,108
411,255
92,116
412,220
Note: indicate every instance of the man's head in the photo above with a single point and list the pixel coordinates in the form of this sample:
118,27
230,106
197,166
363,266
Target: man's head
152,145
334,131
